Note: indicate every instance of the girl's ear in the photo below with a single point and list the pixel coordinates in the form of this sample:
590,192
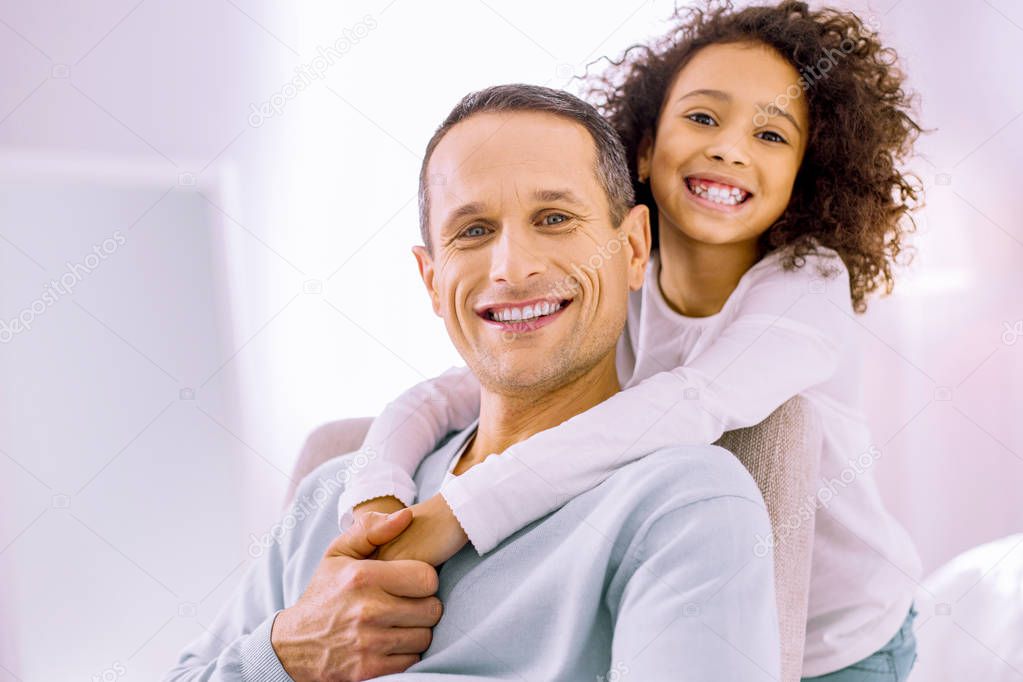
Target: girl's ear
643,156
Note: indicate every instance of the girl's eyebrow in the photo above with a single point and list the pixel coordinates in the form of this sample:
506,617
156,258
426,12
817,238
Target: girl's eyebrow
771,109
716,94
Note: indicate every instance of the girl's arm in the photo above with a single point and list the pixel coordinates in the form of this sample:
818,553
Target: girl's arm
405,432
787,337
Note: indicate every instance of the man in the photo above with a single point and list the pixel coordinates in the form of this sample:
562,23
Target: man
649,576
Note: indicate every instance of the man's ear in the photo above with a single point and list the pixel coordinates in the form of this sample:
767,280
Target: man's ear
636,228
644,156
425,261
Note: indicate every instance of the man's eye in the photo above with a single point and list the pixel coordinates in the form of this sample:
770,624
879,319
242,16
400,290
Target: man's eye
555,219
702,119
474,231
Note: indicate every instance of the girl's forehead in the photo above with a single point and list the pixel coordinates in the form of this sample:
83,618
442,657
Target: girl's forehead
739,72
732,64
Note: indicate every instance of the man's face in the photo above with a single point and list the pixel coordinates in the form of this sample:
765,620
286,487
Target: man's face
527,270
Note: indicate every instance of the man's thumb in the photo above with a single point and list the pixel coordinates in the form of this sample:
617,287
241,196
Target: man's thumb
382,528
370,530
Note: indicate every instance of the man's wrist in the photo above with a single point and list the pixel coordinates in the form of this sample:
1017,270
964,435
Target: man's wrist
278,634
260,658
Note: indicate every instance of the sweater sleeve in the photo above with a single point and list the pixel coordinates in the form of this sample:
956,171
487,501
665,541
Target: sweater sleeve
785,338
405,433
697,604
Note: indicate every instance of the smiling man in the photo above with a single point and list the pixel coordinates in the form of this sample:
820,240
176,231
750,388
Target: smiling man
532,246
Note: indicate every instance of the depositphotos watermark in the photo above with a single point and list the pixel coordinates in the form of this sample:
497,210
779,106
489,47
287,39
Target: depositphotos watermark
75,273
325,58
114,672
808,76
312,502
1012,332
615,674
822,498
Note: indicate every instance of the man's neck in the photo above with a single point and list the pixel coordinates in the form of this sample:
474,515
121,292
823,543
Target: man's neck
697,279
508,419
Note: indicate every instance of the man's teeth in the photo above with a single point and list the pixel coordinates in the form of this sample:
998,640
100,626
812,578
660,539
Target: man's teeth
719,195
526,313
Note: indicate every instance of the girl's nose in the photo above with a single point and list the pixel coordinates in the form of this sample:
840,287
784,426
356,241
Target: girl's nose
729,149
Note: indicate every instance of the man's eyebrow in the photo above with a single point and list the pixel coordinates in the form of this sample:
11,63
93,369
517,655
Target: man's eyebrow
770,109
463,211
554,195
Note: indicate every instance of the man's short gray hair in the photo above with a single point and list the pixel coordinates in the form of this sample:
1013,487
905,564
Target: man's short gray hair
612,169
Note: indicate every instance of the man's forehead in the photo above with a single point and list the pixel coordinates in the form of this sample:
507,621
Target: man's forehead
524,153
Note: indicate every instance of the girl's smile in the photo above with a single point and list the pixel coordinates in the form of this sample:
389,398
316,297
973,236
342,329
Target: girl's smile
711,191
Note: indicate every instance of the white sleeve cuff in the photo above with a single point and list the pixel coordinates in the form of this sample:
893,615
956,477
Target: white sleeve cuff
471,513
370,484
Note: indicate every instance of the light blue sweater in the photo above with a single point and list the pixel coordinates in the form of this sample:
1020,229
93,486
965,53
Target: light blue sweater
649,576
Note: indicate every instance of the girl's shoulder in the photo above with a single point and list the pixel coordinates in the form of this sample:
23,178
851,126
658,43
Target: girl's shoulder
783,277
821,261
821,266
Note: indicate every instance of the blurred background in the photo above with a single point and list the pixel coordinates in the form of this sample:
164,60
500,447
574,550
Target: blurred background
206,216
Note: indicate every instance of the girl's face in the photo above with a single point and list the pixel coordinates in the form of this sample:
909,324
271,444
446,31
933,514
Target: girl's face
729,141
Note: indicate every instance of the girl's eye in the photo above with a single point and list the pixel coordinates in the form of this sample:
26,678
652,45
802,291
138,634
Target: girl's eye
778,138
558,219
469,231
694,118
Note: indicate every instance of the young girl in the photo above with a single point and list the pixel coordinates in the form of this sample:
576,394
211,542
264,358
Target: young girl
765,142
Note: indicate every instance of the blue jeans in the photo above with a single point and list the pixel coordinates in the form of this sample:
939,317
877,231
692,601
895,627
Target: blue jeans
891,663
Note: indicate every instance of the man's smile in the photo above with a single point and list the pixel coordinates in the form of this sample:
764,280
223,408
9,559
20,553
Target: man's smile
523,316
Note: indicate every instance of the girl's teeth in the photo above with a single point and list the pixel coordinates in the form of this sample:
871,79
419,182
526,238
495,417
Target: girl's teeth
719,195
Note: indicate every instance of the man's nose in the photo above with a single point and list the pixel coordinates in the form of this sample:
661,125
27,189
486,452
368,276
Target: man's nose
516,257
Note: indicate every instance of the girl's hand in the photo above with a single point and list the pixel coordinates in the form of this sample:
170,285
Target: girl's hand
434,535
383,505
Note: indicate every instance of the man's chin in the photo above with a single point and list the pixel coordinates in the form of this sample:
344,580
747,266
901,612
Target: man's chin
534,373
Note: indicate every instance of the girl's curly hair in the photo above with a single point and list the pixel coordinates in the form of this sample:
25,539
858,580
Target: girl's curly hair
849,193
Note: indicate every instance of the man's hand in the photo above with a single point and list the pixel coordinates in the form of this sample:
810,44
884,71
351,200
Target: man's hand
434,536
359,618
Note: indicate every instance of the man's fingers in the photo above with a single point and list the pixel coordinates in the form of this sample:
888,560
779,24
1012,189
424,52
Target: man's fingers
382,528
406,578
409,640
369,531
410,612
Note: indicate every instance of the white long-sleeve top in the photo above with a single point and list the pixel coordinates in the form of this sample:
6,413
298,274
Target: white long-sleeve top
686,381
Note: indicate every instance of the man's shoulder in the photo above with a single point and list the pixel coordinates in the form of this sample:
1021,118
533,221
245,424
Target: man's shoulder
684,474
325,483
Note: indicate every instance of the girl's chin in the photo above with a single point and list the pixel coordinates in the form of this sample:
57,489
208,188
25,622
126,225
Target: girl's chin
696,229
